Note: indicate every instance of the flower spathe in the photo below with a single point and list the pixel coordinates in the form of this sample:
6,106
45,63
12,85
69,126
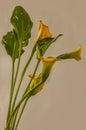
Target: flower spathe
49,59
47,64
43,31
76,54
35,81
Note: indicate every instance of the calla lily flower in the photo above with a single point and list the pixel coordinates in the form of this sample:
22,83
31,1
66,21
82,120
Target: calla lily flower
49,61
43,31
47,64
76,54
35,81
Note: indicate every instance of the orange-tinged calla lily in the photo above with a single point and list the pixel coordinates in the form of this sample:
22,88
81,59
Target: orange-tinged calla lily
43,31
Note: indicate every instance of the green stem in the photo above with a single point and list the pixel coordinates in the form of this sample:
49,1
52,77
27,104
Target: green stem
21,78
28,94
24,105
14,121
17,70
27,98
15,78
13,84
32,77
16,75
11,92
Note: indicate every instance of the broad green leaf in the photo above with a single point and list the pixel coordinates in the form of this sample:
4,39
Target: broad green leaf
15,40
11,44
22,25
42,45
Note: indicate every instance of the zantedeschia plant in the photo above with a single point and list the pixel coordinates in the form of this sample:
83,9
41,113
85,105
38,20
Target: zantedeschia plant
14,42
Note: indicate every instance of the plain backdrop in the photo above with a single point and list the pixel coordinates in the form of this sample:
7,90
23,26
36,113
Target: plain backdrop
61,105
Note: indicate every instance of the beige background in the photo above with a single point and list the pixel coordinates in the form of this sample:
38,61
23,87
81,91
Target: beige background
62,103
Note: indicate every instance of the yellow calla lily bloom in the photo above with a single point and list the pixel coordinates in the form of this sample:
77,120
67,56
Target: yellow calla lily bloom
43,31
47,64
76,54
35,81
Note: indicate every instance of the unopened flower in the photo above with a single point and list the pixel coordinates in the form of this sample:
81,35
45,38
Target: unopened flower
35,81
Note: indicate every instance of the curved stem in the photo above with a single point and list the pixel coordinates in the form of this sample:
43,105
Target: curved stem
27,98
28,94
32,77
16,75
13,81
11,91
21,78
24,105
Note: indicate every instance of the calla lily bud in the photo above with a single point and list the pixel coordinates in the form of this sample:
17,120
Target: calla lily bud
76,54
35,81
43,32
47,66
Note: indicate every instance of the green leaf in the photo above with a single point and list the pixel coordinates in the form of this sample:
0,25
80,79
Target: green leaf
11,44
42,45
15,40
22,25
